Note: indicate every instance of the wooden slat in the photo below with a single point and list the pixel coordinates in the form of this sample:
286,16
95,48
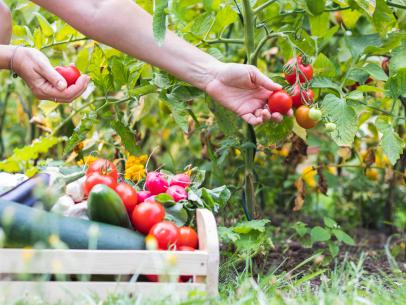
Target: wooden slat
53,292
208,241
103,262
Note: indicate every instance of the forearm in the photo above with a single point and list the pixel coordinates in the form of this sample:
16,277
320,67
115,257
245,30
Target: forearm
6,53
127,27
5,24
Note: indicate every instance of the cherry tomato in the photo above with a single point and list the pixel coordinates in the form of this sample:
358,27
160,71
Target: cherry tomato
188,237
385,65
339,17
301,98
303,119
280,101
166,233
315,114
330,127
143,195
305,76
103,167
128,195
182,180
185,278
69,73
177,192
147,214
95,179
156,183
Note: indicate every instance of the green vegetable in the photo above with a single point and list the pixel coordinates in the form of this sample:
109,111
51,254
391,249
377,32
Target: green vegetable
105,205
316,7
24,226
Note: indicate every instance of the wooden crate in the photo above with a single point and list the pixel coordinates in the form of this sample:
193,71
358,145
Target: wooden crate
202,264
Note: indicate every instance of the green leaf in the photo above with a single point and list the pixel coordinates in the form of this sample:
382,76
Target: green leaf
343,237
323,66
383,18
301,228
319,25
224,18
226,120
44,25
159,20
80,132
391,143
202,24
127,137
271,132
252,225
177,214
227,235
376,72
396,84
316,7
398,59
319,234
343,115
366,5
165,199
179,111
358,44
329,222
324,82
334,249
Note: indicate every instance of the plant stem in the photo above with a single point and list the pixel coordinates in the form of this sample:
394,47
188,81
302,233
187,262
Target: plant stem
397,5
263,6
224,40
63,42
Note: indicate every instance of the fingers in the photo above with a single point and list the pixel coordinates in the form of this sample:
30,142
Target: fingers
52,76
48,92
251,119
277,117
261,80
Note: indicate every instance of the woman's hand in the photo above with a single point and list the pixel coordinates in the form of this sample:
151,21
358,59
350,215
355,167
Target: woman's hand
46,84
244,90
5,23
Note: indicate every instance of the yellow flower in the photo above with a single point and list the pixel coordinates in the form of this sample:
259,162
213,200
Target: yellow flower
309,175
135,167
372,174
87,160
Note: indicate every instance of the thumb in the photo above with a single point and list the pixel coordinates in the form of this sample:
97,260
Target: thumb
265,82
52,76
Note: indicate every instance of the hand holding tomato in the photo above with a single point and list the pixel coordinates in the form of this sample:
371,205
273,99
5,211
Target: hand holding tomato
280,102
69,73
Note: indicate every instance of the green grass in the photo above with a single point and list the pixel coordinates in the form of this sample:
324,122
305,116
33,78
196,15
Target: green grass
347,283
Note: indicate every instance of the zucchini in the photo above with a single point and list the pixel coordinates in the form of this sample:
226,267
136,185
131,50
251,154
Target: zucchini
105,205
24,226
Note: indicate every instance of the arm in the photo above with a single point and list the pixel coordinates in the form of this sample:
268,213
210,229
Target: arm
5,24
127,27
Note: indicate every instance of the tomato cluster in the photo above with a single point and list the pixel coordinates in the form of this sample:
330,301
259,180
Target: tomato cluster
146,214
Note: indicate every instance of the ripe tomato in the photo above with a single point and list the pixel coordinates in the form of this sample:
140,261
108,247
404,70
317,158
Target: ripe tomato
280,101
188,237
301,98
143,195
103,167
95,179
185,278
69,73
385,65
305,76
182,180
147,214
177,192
166,233
128,195
156,183
303,119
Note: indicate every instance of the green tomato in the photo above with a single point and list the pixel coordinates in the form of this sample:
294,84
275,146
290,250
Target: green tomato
315,114
330,127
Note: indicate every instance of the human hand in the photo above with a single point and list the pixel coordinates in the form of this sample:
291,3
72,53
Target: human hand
244,90
44,81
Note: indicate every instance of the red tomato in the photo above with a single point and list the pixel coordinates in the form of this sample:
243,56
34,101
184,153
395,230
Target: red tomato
305,76
182,180
177,192
95,179
303,119
128,195
69,73
103,167
188,237
156,183
280,101
301,98
185,278
147,214
143,195
166,234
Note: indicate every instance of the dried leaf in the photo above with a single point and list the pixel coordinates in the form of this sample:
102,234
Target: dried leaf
369,158
300,195
323,187
297,151
344,152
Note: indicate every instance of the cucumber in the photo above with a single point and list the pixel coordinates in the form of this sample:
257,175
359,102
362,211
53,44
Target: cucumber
24,226
105,205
